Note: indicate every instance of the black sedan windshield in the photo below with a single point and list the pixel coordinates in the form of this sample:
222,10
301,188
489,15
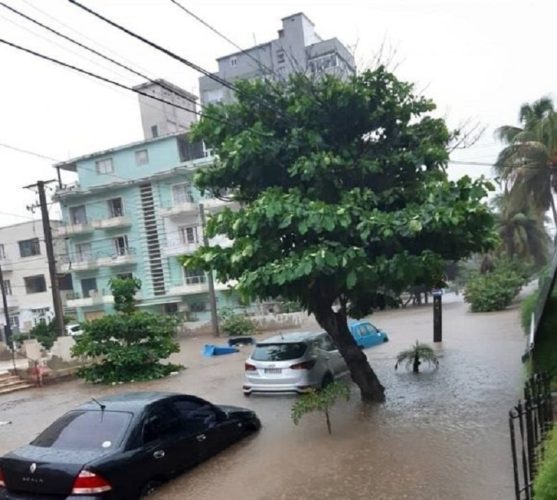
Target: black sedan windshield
85,430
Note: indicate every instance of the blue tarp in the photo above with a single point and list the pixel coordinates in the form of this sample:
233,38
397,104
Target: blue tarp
217,350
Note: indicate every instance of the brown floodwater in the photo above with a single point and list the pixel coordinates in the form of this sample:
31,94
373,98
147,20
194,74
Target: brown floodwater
441,434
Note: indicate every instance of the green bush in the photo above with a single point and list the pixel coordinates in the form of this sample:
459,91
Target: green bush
495,290
235,325
527,307
545,483
127,346
45,333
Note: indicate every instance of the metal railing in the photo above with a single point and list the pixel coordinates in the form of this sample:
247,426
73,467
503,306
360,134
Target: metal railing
529,423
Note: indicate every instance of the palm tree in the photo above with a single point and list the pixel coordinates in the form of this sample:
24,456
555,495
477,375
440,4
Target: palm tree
417,354
528,163
522,230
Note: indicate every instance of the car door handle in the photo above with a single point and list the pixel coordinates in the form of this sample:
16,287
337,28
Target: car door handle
158,454
201,437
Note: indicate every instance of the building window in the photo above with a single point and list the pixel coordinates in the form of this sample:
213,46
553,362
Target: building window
121,245
181,193
14,321
280,56
78,215
2,251
65,282
89,287
105,166
83,252
141,157
115,208
154,131
28,248
35,284
194,276
8,287
233,61
188,234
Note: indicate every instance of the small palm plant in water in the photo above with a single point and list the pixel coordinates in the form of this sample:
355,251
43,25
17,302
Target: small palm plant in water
416,355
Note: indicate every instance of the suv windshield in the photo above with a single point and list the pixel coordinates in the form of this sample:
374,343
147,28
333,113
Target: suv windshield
85,430
278,352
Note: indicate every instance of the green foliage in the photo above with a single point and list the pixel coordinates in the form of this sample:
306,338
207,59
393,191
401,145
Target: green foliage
416,355
545,349
124,290
496,289
127,346
44,332
344,192
237,324
527,307
321,401
545,482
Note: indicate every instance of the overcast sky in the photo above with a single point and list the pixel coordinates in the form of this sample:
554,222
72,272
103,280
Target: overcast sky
478,59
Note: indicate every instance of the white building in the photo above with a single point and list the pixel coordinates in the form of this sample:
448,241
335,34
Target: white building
26,279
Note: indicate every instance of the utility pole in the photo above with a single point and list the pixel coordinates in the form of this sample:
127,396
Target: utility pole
56,300
210,281
7,333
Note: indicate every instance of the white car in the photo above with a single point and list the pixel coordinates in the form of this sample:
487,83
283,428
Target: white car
294,362
74,329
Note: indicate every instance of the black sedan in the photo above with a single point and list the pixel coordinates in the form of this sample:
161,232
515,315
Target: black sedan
121,447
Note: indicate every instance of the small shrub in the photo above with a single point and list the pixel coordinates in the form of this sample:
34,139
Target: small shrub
527,307
493,291
416,355
545,483
236,325
321,401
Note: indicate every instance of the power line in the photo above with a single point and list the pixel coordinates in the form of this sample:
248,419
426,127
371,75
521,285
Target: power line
99,54
28,152
173,55
223,36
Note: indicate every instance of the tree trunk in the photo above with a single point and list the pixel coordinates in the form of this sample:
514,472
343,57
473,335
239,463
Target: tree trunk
416,366
335,324
553,210
328,422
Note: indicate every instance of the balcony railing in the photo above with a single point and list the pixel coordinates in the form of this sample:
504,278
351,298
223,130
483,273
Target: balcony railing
112,222
183,207
71,229
177,246
7,264
110,258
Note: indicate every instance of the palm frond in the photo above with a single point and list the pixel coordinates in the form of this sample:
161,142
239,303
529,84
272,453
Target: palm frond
507,133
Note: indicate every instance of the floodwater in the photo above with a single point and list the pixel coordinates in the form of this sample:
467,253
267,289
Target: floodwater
441,434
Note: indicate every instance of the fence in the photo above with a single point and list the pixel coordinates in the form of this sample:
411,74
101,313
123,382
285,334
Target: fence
529,423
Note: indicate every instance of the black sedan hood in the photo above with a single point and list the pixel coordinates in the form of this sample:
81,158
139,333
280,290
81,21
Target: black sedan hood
52,471
235,410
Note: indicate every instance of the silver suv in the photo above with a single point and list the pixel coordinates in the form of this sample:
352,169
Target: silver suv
293,362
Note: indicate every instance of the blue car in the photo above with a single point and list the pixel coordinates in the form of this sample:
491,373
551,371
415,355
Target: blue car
366,335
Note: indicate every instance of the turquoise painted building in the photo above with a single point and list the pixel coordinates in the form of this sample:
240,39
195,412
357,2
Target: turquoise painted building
132,212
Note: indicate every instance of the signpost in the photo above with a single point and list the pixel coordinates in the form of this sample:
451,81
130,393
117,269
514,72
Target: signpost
437,315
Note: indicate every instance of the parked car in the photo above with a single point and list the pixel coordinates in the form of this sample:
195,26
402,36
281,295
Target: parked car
293,362
121,447
73,330
367,335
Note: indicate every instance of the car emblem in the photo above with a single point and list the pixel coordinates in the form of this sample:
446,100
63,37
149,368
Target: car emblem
33,468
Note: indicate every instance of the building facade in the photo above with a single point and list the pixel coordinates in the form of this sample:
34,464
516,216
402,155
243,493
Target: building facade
159,118
298,49
133,212
25,272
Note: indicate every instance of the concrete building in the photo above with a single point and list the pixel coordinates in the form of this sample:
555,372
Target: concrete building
298,48
25,271
132,213
159,118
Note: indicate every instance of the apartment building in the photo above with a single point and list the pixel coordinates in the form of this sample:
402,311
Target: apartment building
133,212
25,272
297,49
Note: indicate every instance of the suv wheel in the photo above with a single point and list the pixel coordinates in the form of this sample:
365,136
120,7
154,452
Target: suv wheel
327,380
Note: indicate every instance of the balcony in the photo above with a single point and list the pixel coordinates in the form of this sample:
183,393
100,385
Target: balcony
188,207
112,222
7,265
192,285
12,301
92,298
73,229
111,258
175,247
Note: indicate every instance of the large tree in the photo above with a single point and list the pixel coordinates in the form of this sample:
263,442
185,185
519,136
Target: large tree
344,199
528,162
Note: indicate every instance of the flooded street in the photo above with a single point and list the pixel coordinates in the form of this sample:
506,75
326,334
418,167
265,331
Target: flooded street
440,435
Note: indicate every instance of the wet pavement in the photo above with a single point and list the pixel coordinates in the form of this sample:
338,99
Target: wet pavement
441,434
